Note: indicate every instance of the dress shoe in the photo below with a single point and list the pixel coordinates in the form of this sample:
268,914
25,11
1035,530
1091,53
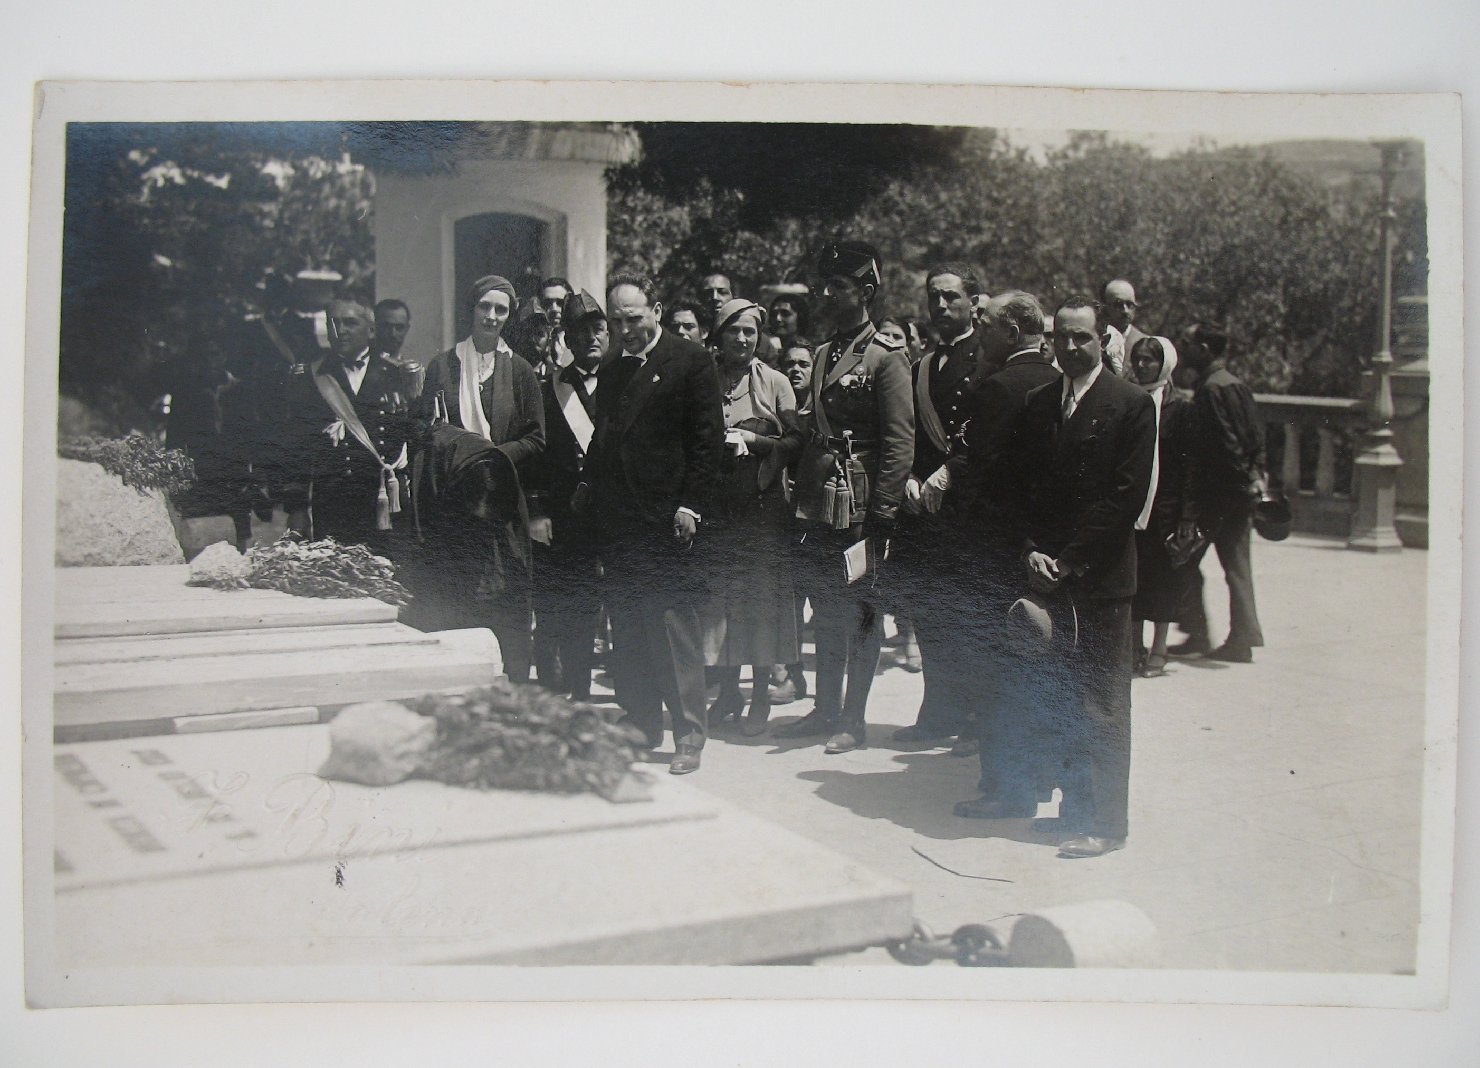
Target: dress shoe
685,760
916,733
1193,646
844,742
1231,653
966,747
814,724
1154,666
989,808
1090,845
912,661
727,706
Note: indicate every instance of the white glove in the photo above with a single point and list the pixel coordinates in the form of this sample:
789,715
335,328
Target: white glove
933,489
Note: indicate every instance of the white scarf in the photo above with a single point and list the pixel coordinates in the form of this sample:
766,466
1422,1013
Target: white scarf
469,399
1158,391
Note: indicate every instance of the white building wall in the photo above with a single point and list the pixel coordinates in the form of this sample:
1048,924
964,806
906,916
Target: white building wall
415,216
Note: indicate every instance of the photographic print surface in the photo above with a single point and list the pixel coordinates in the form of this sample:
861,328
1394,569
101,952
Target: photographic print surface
905,680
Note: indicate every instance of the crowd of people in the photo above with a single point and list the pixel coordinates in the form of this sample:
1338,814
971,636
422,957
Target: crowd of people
672,483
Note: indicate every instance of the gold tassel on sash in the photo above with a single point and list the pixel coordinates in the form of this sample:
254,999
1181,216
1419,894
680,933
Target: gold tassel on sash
395,491
382,509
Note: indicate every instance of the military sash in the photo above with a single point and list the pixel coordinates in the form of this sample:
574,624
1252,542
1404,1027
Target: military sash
576,416
388,499
930,419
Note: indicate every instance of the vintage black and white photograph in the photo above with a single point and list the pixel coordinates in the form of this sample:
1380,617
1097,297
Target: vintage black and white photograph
945,542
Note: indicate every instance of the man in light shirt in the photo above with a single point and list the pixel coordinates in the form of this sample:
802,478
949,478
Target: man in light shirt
1079,460
1118,309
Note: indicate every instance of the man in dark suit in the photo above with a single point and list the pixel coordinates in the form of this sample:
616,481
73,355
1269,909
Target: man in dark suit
350,487
928,555
1079,459
567,595
651,471
1011,334
1228,480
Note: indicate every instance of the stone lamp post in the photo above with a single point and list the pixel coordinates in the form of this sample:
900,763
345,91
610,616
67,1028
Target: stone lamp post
1376,475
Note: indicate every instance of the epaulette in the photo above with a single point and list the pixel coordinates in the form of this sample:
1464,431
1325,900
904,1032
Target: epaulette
888,344
410,367
299,369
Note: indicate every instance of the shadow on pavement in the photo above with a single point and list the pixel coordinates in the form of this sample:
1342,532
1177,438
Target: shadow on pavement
920,799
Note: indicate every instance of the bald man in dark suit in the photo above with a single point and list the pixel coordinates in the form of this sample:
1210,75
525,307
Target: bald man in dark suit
651,472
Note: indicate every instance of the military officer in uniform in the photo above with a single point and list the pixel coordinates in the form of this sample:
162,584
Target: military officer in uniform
930,561
567,592
850,481
348,425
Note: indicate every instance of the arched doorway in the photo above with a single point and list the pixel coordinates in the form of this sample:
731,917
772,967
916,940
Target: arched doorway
515,246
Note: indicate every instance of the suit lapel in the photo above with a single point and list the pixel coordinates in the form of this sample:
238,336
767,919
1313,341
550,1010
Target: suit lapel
1086,413
378,381
640,386
336,370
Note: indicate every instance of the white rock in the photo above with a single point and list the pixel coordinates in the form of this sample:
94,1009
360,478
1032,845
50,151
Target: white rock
103,523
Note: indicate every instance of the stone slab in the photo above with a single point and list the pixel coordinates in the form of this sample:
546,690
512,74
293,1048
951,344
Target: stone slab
149,809
160,688
216,643
115,601
531,879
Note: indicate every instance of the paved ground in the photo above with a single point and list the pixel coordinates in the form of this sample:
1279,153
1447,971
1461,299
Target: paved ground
1275,807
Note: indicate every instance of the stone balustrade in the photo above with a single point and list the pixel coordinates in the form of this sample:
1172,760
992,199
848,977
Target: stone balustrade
1309,445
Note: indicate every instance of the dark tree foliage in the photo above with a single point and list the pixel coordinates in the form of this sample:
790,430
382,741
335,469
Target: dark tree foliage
1284,255
170,230
825,171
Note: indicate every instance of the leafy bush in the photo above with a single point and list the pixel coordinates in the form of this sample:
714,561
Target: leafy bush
136,460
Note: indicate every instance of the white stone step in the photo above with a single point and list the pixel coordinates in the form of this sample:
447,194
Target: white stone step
160,688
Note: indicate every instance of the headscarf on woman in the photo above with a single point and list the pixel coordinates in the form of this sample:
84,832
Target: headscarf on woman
1158,390
471,361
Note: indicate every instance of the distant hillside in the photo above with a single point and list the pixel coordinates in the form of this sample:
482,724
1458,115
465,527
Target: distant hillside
1338,163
